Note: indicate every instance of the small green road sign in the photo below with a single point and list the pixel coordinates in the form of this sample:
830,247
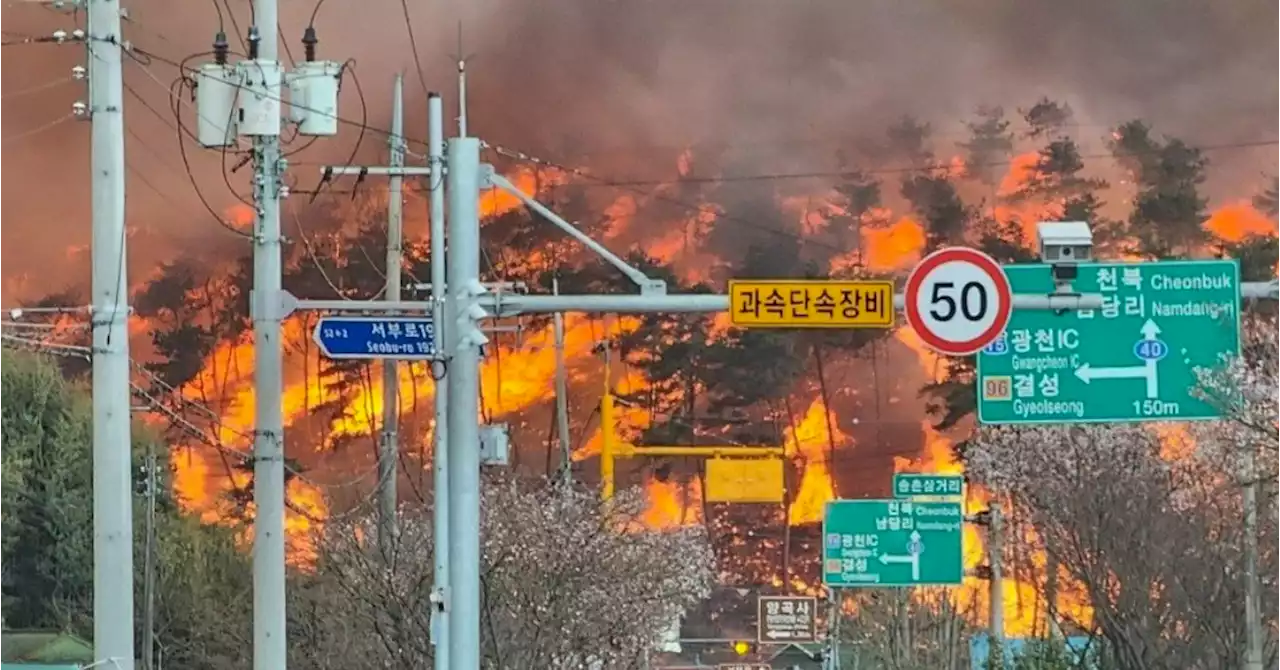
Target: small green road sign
892,543
1131,360
911,485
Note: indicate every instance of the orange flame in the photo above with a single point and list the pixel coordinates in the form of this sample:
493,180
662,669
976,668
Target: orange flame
895,247
1235,222
672,504
808,444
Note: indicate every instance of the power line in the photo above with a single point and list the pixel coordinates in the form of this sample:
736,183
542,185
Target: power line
39,87
185,162
39,129
413,45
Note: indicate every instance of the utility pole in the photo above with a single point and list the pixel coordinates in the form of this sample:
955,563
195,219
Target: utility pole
149,565
995,550
464,430
1252,589
270,647
389,449
833,630
462,87
440,446
562,395
112,433
387,459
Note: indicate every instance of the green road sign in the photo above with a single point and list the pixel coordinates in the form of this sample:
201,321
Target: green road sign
1131,360
911,484
892,543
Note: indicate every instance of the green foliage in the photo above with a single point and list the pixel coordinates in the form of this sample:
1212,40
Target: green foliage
47,467
48,533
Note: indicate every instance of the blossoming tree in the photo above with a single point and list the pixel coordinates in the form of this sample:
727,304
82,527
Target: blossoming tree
568,582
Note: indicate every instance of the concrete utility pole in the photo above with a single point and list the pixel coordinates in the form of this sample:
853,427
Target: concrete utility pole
462,87
270,647
562,395
464,411
995,550
1252,588
389,449
112,432
434,172
440,446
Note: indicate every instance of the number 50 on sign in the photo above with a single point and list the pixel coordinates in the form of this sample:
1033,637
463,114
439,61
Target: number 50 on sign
958,300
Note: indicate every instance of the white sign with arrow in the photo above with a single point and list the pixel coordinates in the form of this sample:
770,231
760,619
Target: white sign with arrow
786,619
914,548
1150,348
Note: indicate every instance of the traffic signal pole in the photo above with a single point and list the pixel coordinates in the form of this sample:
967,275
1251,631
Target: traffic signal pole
464,315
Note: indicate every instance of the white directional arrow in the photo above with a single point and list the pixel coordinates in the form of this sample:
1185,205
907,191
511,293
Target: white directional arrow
913,556
1149,332
1147,370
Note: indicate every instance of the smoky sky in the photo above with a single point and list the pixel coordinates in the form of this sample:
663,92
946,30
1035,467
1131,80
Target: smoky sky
627,83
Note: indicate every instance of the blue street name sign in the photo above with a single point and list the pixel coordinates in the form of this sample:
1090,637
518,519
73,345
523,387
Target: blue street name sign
381,337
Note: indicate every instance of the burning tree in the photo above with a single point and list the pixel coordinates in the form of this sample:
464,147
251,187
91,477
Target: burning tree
567,581
990,141
1168,210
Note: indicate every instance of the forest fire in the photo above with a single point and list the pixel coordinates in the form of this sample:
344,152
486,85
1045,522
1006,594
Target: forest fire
517,380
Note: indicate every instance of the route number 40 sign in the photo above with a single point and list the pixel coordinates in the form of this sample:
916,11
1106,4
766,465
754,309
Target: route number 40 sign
1132,360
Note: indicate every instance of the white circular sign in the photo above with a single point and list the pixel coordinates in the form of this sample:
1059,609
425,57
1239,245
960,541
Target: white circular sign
958,300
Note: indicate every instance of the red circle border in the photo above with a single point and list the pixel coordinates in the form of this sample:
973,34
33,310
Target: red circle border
985,263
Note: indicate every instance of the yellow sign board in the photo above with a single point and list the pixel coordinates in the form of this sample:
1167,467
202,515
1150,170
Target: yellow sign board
811,303
744,480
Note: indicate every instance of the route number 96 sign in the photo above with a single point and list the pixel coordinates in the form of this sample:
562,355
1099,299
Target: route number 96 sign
958,300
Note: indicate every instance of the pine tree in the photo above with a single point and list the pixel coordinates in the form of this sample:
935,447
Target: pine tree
908,141
858,197
990,142
1168,211
1046,118
943,214
1268,202
1133,147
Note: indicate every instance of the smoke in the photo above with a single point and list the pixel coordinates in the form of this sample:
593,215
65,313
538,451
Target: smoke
627,84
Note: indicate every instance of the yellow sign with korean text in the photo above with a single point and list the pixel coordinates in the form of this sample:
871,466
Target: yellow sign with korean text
744,480
811,303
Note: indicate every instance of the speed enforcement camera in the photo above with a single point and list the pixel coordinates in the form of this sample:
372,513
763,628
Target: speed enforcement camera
1064,245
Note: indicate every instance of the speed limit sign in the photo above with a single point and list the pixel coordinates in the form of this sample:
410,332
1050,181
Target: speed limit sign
958,300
